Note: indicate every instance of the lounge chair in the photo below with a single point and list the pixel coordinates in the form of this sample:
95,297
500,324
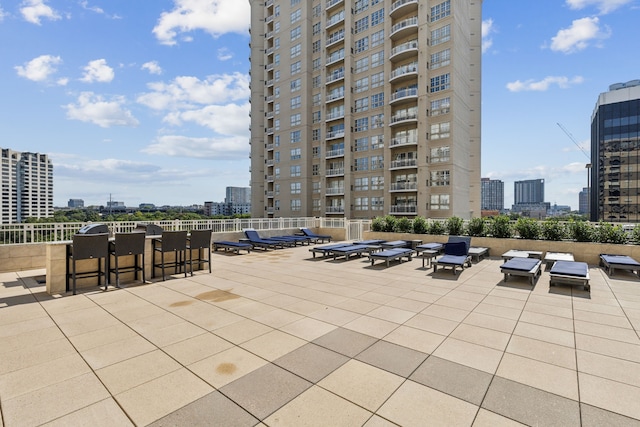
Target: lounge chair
228,246
373,242
456,254
438,247
254,238
518,266
570,272
389,255
395,244
326,250
315,237
611,263
348,250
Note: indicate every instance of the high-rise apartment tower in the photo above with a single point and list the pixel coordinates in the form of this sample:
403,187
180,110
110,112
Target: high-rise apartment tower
365,108
27,186
492,191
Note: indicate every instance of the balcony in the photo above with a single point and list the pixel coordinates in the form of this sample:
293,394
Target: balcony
269,35
404,72
403,141
334,209
404,186
335,38
334,191
403,209
333,3
334,115
270,162
269,131
403,117
404,95
269,147
270,194
403,164
335,57
269,98
335,153
269,66
269,19
335,172
269,83
335,76
335,134
269,115
269,178
269,50
402,7
404,50
335,20
404,28
269,3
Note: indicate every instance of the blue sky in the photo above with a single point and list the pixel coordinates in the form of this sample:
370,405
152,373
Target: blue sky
147,101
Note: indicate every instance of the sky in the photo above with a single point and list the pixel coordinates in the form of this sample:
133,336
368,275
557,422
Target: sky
148,101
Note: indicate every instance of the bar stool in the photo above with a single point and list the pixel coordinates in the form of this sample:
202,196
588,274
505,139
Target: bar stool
89,246
199,240
170,241
127,244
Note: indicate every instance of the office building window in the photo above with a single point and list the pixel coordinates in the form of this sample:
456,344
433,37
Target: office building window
296,154
440,35
441,11
439,201
440,83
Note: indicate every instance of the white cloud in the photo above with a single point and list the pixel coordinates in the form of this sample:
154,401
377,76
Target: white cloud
97,71
487,30
578,37
152,67
85,5
228,119
227,148
604,6
544,84
215,17
224,54
39,69
3,14
187,92
34,10
92,108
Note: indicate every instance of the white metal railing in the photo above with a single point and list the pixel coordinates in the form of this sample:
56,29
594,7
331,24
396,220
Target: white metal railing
411,45
404,93
335,153
335,115
336,75
398,4
403,209
405,69
335,134
335,57
410,22
402,186
333,191
335,172
403,141
335,95
335,37
403,163
332,3
334,209
403,115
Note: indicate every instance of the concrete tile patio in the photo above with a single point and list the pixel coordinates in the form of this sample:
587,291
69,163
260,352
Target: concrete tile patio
279,338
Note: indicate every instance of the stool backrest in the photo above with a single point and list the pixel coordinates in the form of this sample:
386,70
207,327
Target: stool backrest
199,239
174,241
129,243
87,246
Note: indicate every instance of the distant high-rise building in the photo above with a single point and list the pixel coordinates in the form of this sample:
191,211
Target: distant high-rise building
615,150
583,201
529,191
492,194
75,203
27,186
365,108
239,195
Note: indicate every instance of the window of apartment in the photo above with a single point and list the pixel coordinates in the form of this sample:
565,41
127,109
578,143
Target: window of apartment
440,83
295,170
276,92
377,17
377,100
360,6
377,182
440,154
377,162
315,46
361,24
316,81
296,67
276,108
315,170
317,99
296,205
276,140
440,59
377,203
276,75
296,50
316,204
276,26
277,10
295,188
315,152
441,10
317,186
362,84
441,35
296,119
361,124
317,10
276,43
316,64
317,28
276,189
296,136
377,38
362,44
294,2
296,153
276,59
377,59
276,124
296,85
276,157
439,178
296,101
440,130
377,79
374,2
362,64
439,201
377,141
296,15
316,116
295,33
361,164
361,184
440,106
362,104
315,134
361,204
276,172
377,121
361,144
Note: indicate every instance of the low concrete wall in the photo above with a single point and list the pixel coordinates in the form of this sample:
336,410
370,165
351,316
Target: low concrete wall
27,256
588,252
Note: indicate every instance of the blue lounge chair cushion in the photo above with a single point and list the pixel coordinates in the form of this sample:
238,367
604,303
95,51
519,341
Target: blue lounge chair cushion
452,259
620,259
392,252
351,248
456,249
520,264
430,246
570,268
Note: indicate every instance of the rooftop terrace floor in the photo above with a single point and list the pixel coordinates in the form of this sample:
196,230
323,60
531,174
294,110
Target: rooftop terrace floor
281,339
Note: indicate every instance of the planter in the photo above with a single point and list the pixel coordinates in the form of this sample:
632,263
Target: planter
588,252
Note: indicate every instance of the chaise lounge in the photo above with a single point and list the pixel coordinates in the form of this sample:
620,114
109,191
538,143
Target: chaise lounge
229,246
570,272
611,263
527,267
327,249
393,254
348,250
456,254
315,237
258,242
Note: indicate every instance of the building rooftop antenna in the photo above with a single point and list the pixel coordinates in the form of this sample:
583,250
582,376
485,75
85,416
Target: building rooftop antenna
573,139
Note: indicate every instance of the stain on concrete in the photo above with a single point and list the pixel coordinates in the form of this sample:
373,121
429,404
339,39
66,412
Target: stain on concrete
181,303
217,295
226,368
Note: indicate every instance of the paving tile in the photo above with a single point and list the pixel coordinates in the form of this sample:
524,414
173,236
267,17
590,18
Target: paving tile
449,313
524,404
30,338
607,347
362,384
543,351
609,367
408,304
475,356
603,319
610,395
357,305
377,421
308,329
311,362
414,403
101,337
197,348
437,325
345,341
546,334
491,322
377,328
551,378
242,331
317,407
117,351
226,366
392,357
105,413
22,358
496,310
391,314
161,396
416,339
482,336
273,345
210,410
596,417
265,390
278,318
489,419
605,331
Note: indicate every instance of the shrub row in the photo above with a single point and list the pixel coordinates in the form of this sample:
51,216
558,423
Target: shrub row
502,227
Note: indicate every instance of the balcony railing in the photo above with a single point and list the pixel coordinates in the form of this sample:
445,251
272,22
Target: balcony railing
404,93
334,191
397,5
404,70
402,116
395,142
335,153
335,95
335,38
335,172
403,209
336,75
335,134
332,3
403,163
335,115
335,57
334,209
404,186
335,19
407,23
404,47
